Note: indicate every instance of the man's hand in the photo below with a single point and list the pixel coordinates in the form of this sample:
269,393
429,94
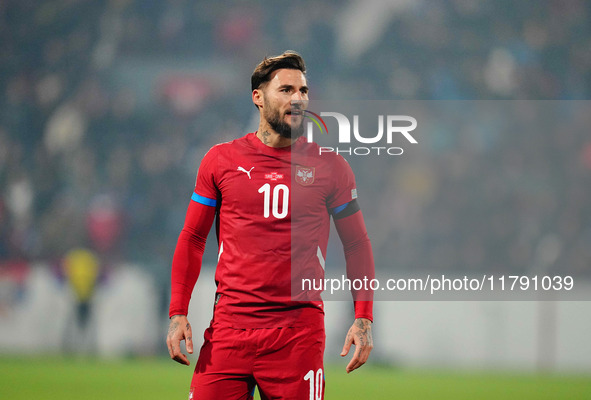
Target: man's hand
178,330
360,335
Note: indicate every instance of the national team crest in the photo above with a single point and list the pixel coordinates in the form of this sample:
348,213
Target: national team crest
304,175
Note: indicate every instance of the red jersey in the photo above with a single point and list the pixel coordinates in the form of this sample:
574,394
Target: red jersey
274,207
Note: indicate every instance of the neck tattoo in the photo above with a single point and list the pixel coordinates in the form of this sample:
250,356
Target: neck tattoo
265,137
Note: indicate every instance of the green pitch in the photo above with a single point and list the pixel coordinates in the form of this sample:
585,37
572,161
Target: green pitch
86,379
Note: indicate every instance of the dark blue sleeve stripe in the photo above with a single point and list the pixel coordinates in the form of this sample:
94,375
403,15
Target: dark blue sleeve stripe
206,201
345,210
338,209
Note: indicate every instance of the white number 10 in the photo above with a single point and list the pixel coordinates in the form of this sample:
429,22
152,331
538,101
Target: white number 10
315,384
266,191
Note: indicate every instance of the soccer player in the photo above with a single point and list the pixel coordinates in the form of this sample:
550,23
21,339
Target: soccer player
273,195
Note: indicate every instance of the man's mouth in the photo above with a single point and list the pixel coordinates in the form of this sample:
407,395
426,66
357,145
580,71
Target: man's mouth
295,112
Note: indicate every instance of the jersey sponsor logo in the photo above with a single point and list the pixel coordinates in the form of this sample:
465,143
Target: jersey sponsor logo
274,176
304,175
245,171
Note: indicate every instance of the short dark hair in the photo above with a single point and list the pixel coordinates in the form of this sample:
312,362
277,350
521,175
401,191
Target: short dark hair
262,73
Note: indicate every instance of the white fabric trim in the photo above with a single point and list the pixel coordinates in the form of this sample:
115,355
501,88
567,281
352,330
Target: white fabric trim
320,258
221,250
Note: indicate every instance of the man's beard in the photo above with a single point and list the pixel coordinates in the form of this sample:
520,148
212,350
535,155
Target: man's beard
273,117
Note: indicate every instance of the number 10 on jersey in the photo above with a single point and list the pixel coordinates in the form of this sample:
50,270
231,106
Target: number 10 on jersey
271,200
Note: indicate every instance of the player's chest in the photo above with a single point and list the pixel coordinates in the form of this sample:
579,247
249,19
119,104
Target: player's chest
272,188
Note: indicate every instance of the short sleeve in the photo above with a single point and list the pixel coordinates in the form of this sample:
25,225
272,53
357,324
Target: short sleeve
206,190
344,189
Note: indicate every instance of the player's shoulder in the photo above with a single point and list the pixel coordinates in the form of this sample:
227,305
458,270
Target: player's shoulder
229,146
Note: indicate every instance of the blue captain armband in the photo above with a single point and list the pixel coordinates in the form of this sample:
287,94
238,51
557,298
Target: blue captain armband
344,210
206,201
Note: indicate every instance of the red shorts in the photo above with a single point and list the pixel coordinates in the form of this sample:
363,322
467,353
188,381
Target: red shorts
285,363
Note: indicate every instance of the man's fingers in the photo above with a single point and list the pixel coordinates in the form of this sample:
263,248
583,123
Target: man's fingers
346,348
172,345
182,359
189,338
365,352
189,344
349,366
175,352
174,349
169,347
360,357
355,361
352,366
179,330
347,345
360,336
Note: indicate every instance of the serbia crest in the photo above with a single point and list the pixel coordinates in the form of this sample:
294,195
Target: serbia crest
304,175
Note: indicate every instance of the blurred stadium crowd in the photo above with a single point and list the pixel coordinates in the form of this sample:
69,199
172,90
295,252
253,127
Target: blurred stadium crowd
107,107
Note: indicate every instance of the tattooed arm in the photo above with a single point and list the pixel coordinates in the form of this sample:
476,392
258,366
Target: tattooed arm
178,330
360,335
360,265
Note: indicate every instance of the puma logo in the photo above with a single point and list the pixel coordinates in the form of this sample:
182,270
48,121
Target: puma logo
245,171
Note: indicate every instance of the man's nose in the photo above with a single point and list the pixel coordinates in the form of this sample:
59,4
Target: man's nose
298,96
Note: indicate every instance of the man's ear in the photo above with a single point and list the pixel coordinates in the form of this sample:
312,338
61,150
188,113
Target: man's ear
257,97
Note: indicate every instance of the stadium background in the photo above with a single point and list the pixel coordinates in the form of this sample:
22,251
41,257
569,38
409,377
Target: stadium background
106,108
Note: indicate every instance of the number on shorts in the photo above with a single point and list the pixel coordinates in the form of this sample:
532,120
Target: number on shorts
316,383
